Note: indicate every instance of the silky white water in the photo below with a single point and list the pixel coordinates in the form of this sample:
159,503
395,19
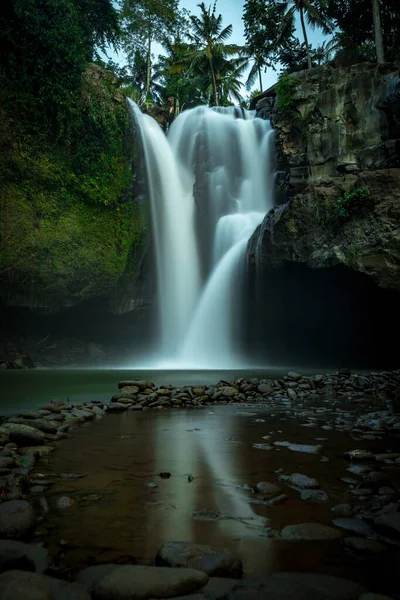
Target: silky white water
210,184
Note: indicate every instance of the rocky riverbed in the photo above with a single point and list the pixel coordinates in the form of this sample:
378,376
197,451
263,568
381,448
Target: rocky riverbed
286,488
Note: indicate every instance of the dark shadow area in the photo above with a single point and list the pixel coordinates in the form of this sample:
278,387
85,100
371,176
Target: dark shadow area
86,335
324,317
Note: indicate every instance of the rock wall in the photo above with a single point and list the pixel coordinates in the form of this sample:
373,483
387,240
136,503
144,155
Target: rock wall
320,229
338,121
339,141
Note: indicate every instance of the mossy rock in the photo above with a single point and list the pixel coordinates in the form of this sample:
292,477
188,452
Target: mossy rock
70,226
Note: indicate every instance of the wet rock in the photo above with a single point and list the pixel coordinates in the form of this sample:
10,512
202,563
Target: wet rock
64,502
293,375
35,414
359,469
141,384
295,586
30,557
58,402
363,546
389,523
306,448
120,582
84,414
63,590
228,391
43,425
92,575
51,407
123,396
309,531
262,446
23,435
22,585
268,489
16,518
216,562
130,389
360,455
265,388
299,480
314,496
38,451
343,509
354,525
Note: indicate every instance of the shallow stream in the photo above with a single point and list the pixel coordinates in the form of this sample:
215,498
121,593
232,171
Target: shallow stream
122,510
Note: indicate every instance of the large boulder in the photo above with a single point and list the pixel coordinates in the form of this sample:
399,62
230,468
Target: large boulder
17,518
23,435
118,582
21,556
351,220
216,562
21,585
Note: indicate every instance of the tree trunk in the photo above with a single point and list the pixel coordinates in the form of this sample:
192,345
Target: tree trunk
260,79
378,31
148,70
214,83
303,26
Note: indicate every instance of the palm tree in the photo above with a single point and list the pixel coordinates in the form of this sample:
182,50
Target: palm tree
314,18
255,71
208,42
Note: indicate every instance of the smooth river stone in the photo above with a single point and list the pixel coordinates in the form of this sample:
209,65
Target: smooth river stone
216,562
310,531
118,582
17,517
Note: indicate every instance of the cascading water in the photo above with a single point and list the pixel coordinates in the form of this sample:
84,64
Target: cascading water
210,185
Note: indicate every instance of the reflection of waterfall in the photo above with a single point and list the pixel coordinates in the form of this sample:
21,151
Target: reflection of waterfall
210,185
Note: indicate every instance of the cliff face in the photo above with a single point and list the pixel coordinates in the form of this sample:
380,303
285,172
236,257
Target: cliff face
352,220
340,121
71,226
339,141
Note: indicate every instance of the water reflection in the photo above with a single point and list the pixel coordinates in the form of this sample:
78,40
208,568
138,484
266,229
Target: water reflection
117,513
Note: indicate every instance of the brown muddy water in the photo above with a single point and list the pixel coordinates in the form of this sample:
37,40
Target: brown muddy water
123,511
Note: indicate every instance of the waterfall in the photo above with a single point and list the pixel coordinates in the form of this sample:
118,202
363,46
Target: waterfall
210,185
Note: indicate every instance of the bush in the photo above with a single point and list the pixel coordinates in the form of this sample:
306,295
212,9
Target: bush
350,201
284,91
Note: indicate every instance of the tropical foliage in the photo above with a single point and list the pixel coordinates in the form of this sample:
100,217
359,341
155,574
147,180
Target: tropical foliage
45,48
145,22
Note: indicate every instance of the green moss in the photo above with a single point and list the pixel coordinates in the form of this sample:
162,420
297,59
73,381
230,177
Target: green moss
69,220
285,93
351,201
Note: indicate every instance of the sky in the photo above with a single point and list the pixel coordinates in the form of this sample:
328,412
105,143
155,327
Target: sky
232,12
